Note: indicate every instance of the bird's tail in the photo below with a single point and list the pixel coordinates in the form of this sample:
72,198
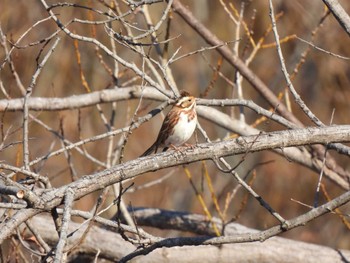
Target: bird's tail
150,150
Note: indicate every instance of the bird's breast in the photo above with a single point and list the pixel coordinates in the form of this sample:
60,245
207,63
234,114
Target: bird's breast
183,130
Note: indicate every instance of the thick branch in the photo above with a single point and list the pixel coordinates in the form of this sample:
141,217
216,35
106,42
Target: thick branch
211,114
110,244
83,100
246,237
113,247
272,140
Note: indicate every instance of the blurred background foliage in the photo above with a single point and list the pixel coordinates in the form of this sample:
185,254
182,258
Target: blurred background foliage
323,82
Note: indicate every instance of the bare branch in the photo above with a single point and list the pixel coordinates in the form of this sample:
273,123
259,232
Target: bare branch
297,97
73,123
113,247
254,80
246,237
25,105
339,13
60,256
131,169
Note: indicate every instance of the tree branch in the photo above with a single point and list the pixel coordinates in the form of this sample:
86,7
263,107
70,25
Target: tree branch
339,13
113,247
246,236
235,61
271,140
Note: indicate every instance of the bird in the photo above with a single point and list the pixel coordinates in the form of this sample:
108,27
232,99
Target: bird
178,125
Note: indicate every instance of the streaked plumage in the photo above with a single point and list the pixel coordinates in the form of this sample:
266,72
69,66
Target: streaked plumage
178,125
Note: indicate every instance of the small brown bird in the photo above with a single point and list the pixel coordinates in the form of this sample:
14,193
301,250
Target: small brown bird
178,125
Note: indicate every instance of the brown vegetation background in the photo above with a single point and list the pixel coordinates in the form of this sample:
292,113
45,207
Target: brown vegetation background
322,81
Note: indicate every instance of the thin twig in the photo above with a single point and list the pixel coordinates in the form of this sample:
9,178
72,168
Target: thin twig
25,105
317,193
296,96
322,50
